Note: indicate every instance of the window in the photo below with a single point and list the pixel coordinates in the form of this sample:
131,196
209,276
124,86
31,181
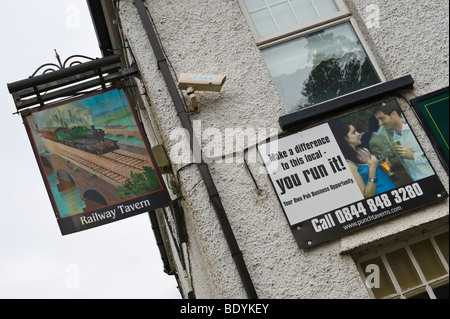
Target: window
270,16
312,49
417,270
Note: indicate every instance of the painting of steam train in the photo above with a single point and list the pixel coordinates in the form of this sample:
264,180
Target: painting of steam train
88,139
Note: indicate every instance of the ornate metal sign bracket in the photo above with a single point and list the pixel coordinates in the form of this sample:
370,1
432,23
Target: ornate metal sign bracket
67,79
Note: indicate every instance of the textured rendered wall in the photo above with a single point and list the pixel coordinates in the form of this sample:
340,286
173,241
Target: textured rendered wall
212,37
411,38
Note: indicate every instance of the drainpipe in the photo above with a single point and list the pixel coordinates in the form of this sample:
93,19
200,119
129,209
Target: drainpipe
203,168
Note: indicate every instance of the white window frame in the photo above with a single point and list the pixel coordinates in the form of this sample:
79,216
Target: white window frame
301,30
425,283
342,13
358,32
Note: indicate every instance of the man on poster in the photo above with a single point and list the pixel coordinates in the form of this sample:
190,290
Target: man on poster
395,129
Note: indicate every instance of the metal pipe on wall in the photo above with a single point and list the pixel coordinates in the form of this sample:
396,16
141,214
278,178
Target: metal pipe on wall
203,168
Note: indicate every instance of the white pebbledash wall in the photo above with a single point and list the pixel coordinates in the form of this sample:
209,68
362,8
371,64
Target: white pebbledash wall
213,37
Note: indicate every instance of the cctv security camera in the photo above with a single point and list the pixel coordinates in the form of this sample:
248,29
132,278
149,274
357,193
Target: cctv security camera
195,82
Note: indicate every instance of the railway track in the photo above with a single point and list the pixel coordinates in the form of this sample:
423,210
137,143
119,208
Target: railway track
116,165
128,158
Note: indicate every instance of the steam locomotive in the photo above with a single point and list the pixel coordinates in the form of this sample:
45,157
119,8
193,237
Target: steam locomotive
88,139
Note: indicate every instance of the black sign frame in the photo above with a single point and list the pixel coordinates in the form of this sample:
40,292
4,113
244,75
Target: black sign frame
104,212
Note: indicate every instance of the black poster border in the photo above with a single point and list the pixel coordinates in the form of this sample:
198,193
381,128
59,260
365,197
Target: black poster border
350,218
307,237
123,209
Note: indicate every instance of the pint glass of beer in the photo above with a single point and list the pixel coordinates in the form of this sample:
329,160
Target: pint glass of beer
385,165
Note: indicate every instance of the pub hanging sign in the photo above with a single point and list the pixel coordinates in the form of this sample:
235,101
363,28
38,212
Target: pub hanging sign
350,173
96,163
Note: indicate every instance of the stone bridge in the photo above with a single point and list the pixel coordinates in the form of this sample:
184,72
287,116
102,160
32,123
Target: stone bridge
117,132
96,176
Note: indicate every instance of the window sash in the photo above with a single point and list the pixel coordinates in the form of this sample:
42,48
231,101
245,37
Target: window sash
425,284
343,12
359,37
301,30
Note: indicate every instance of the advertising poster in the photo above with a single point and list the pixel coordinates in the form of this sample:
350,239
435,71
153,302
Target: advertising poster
96,164
349,173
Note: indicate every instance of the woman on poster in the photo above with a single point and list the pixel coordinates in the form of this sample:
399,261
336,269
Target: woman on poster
363,165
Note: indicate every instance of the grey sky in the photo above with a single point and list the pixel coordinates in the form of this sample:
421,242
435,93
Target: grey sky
119,260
